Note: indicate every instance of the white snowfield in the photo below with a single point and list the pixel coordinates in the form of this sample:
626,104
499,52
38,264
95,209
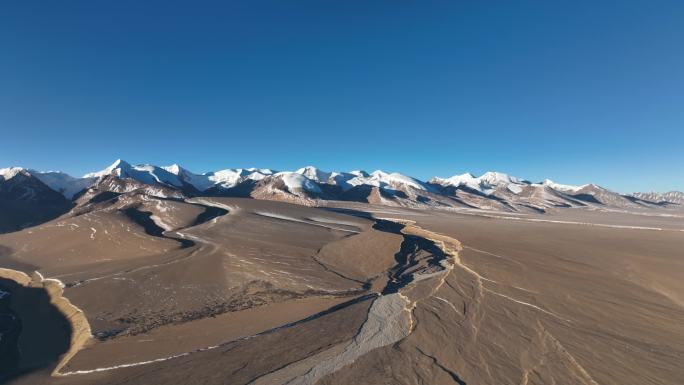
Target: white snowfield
295,182
486,183
671,196
10,172
314,174
63,183
144,173
380,178
561,187
348,180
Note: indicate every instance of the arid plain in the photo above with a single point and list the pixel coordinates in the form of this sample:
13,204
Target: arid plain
236,291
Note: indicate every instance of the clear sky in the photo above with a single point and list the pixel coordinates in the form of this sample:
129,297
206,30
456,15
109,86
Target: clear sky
577,91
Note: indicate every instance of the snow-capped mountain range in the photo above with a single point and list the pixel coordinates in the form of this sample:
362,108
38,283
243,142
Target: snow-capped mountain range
676,197
311,186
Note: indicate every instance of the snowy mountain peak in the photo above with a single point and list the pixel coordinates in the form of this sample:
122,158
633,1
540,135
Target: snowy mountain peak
63,183
145,173
174,169
591,187
296,181
486,183
359,173
115,167
264,171
676,197
10,172
314,174
497,178
456,180
487,190
120,163
380,178
561,187
55,180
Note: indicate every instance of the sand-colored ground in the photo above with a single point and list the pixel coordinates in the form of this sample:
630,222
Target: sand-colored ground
176,339
543,302
249,270
468,297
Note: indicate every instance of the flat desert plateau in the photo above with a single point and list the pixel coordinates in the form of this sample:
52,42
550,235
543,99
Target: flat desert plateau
243,291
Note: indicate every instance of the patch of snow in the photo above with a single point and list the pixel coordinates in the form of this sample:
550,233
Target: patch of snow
561,187
312,223
333,221
107,171
208,202
223,178
342,179
487,183
145,173
228,178
10,172
200,182
157,174
497,178
385,180
263,171
314,174
671,196
456,180
160,222
514,188
63,183
295,182
359,173
467,179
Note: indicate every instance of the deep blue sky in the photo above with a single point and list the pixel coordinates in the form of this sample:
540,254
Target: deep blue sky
577,91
